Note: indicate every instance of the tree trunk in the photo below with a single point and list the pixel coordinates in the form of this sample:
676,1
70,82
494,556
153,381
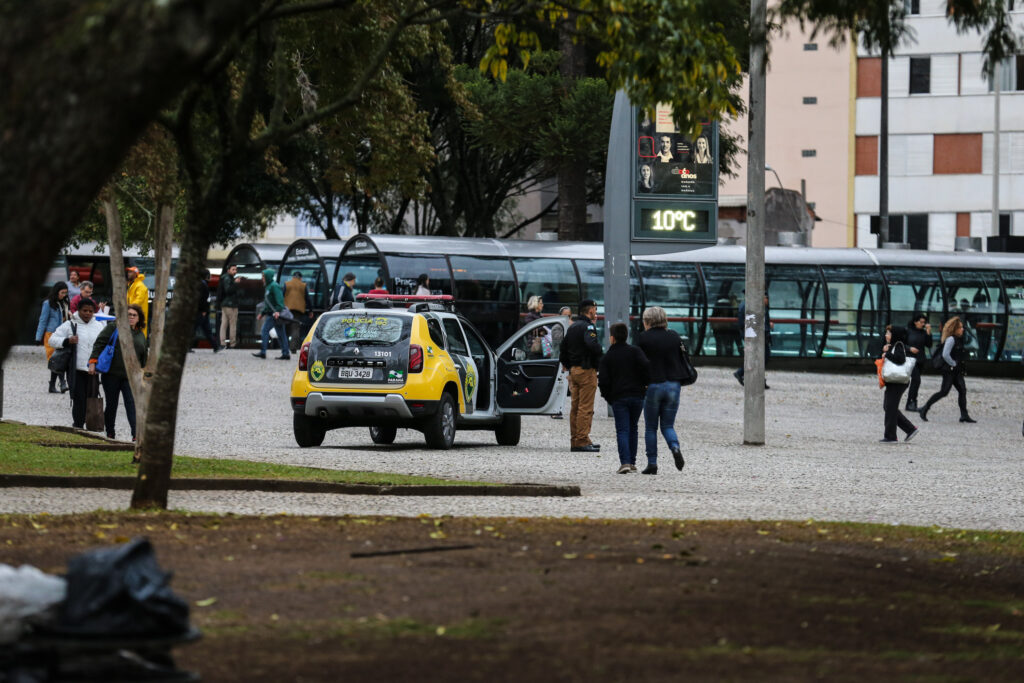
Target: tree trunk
157,437
118,63
572,171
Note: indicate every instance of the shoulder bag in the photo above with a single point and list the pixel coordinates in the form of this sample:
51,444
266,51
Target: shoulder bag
106,358
63,359
896,373
938,362
94,407
688,369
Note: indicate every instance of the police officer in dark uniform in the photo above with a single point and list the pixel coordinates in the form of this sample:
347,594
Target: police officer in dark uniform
580,354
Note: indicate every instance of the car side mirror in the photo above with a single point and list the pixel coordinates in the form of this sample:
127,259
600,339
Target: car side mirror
518,354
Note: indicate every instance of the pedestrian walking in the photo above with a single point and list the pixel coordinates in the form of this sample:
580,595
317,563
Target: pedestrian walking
579,356
80,331
115,380
622,378
54,313
919,341
953,370
346,290
203,312
227,300
663,348
274,315
85,292
895,350
138,294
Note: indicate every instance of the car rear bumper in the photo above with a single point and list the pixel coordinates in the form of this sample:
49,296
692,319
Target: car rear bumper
360,407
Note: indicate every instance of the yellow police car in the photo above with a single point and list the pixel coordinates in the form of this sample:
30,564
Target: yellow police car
386,362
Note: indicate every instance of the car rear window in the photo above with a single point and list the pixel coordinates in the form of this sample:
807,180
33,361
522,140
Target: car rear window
349,327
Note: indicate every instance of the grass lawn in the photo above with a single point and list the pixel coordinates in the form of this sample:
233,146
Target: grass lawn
23,451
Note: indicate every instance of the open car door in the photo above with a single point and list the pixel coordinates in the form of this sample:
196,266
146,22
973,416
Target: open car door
529,376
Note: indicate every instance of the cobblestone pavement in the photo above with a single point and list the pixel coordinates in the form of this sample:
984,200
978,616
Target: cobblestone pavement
822,460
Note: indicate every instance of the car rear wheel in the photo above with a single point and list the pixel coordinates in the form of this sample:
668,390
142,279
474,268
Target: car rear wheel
508,431
309,431
383,435
440,428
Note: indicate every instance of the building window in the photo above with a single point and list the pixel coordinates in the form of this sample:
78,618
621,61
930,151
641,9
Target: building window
914,6
810,47
808,152
920,75
810,100
911,228
1011,75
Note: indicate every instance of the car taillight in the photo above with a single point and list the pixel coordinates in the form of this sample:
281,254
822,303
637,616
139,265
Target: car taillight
415,358
304,357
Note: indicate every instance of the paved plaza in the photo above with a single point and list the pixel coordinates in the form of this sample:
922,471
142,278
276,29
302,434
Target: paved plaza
822,461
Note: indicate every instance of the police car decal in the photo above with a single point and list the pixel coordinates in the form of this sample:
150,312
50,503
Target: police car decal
317,371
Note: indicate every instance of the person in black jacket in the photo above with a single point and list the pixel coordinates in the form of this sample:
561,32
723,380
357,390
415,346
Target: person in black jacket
953,355
580,354
919,340
622,379
227,300
662,348
203,312
895,350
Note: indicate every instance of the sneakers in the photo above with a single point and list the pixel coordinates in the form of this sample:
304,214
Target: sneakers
650,469
624,469
912,434
678,457
632,467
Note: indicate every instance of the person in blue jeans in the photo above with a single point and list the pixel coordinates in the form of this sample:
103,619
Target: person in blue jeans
622,378
274,315
662,347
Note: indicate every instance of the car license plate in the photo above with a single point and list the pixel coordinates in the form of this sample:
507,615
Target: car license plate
355,373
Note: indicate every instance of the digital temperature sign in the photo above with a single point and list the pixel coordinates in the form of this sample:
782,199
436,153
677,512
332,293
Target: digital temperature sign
674,221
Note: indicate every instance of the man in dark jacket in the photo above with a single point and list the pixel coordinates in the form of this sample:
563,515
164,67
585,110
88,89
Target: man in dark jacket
580,354
227,301
768,325
919,340
345,291
203,312
622,378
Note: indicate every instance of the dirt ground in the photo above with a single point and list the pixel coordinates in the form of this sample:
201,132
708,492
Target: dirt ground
283,598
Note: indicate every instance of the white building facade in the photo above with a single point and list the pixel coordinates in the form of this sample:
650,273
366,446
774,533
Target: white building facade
941,123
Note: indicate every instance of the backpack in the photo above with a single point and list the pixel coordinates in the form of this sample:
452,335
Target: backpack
107,354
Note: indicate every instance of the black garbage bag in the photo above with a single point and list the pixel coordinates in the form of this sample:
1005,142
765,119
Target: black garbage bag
121,591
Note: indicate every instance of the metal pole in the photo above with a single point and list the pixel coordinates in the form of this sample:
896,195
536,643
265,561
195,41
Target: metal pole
995,155
883,153
753,325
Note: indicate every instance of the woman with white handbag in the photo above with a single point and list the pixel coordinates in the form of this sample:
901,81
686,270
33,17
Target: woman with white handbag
897,369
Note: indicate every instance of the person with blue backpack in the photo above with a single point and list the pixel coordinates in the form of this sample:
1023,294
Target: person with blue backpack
106,359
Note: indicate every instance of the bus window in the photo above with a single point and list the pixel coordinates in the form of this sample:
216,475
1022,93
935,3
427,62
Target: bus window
796,304
912,290
405,270
554,280
975,297
366,270
676,288
1013,348
858,311
483,279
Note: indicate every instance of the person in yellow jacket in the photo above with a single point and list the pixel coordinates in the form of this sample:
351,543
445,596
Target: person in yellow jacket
138,293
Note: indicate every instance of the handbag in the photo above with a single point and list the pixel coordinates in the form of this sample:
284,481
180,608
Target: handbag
63,359
94,407
106,358
896,373
691,372
938,362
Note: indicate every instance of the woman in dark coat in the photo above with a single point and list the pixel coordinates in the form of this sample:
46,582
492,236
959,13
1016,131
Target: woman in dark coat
115,381
919,340
953,355
895,350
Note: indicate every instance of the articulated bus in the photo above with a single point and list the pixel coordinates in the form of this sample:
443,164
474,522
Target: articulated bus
830,305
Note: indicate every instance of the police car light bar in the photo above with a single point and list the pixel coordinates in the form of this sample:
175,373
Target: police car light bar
406,298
